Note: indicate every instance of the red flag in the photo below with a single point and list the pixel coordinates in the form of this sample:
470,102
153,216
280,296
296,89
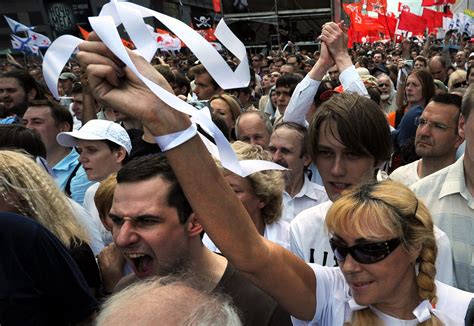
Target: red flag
426,3
379,6
433,18
365,23
349,8
412,23
403,7
390,24
217,5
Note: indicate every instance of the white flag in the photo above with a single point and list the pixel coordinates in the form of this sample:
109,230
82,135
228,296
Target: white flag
39,39
16,26
24,45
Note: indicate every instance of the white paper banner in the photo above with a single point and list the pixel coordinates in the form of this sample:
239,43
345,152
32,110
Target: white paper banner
131,16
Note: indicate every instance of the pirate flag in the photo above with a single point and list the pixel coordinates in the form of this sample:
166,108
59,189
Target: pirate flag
203,21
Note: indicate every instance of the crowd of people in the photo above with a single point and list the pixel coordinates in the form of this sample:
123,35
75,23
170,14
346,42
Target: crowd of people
370,223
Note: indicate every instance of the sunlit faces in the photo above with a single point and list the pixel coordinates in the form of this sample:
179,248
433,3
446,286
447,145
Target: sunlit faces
438,137
146,230
283,97
339,167
413,90
222,109
12,94
204,89
39,118
286,147
252,130
387,284
98,160
245,192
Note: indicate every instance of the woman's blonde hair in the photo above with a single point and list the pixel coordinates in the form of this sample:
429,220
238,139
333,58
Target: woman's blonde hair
267,185
231,101
456,77
389,207
30,191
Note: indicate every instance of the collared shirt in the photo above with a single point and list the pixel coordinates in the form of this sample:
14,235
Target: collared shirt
452,207
311,194
79,183
304,93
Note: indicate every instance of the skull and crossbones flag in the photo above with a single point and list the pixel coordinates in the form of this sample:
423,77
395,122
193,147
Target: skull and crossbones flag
202,21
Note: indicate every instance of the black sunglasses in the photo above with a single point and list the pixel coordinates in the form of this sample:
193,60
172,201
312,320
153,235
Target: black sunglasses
460,84
365,253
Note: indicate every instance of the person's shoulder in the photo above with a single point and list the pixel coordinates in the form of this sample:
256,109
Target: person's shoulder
431,182
452,300
313,214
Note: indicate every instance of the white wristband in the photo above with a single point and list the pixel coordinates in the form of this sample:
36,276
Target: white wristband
170,141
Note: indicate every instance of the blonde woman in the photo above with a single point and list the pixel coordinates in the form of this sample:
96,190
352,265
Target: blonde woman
261,193
28,190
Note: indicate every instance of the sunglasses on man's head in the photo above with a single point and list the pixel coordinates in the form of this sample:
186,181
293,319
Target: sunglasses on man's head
364,253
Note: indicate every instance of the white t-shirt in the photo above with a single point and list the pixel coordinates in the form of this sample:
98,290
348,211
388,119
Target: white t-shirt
89,205
335,303
310,241
406,174
278,232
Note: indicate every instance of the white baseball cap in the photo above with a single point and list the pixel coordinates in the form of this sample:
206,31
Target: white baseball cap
97,130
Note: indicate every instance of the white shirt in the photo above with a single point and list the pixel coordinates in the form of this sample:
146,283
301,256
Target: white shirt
89,205
406,174
310,194
310,241
303,95
278,232
335,303
452,207
90,225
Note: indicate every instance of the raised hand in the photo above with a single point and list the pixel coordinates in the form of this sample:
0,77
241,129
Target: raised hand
118,87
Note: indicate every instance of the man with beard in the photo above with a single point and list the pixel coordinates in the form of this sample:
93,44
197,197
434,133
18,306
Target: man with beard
387,93
436,141
17,88
288,148
156,230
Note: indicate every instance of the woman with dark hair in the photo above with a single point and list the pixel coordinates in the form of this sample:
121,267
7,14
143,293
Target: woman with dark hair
418,90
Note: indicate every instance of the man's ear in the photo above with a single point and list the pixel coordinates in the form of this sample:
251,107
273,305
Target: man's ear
121,154
193,227
64,126
32,94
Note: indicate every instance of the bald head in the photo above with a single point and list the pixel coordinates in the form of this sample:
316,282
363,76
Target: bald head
154,303
254,128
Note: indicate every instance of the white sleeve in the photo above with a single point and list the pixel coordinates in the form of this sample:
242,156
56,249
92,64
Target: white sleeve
444,260
351,82
301,101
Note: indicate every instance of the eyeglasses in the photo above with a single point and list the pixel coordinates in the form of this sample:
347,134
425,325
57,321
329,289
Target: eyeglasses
420,122
365,253
460,84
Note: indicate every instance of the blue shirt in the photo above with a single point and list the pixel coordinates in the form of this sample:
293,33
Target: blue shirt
79,183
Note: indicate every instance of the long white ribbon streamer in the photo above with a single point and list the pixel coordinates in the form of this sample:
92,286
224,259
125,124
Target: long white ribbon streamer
131,16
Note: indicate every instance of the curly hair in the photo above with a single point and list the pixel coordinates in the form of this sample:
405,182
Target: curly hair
389,207
267,185
27,189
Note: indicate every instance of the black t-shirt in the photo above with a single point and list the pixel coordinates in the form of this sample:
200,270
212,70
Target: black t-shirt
40,284
255,306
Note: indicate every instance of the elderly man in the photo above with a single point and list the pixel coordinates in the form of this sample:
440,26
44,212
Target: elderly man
449,194
387,93
156,230
288,148
439,69
436,140
253,127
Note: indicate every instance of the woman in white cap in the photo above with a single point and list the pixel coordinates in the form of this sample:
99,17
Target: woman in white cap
103,147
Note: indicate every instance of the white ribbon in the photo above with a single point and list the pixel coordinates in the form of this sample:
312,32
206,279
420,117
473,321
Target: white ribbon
131,16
